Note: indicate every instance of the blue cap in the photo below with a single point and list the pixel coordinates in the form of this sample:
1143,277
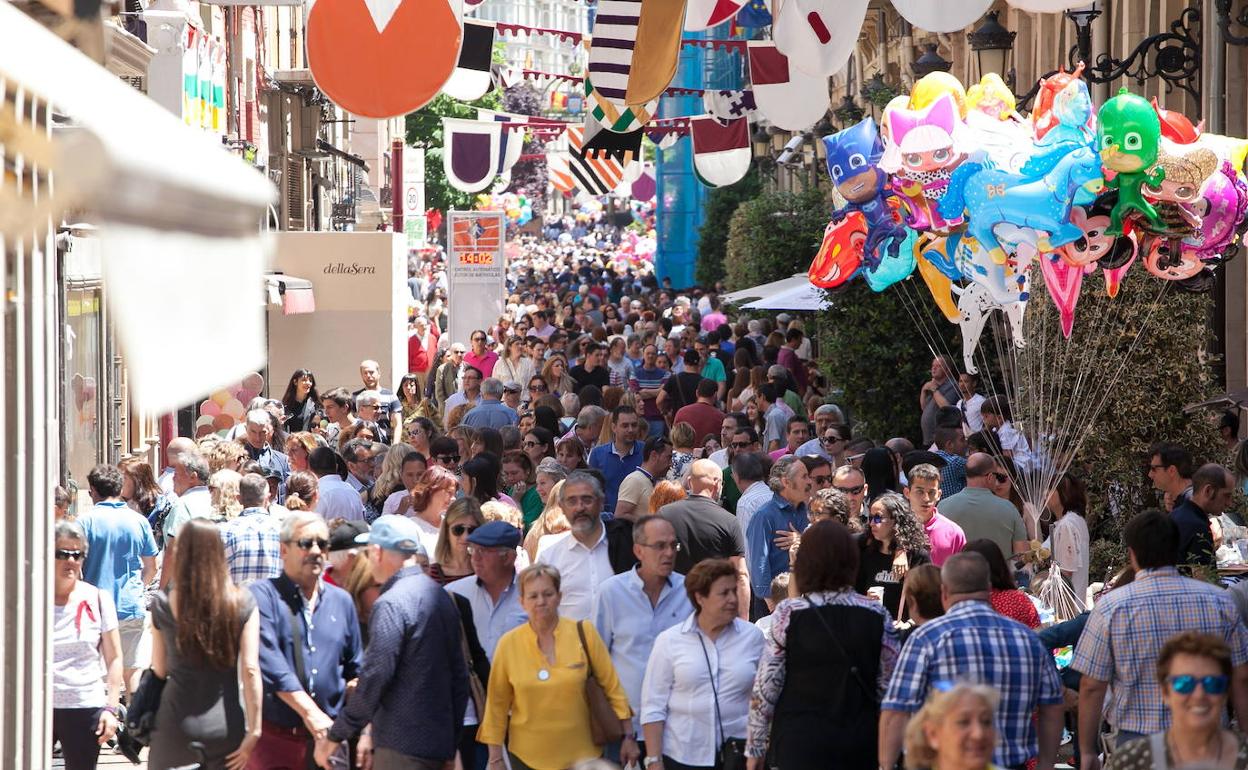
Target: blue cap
495,534
394,533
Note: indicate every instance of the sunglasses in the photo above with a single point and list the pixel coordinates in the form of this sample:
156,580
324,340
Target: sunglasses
877,519
831,440
459,530
531,445
446,459
536,388
851,490
1001,478
1185,684
307,543
65,555
740,445
821,479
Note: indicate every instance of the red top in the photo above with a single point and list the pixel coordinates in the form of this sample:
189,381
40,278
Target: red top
419,356
1015,604
705,419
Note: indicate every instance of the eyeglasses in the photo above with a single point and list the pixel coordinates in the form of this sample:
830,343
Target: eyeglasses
740,445
447,459
536,388
1185,684
1154,467
851,490
822,479
672,546
829,440
877,519
66,555
478,339
307,543
459,530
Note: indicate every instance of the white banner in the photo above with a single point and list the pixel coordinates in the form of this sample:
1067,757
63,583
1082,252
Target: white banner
414,196
476,271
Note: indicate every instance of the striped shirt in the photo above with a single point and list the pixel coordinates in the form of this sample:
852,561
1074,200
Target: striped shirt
1127,629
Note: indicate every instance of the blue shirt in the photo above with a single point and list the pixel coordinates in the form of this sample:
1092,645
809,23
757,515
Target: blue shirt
766,560
491,414
614,467
332,648
117,540
253,546
953,475
492,619
271,460
629,624
973,643
413,686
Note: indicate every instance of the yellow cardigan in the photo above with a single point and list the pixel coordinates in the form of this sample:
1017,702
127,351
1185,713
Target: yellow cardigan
546,721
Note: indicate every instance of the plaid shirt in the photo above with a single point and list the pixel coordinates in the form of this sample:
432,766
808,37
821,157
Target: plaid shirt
1127,629
953,475
973,643
252,546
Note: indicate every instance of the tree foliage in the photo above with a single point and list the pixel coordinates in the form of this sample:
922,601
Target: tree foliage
528,177
774,236
721,203
424,129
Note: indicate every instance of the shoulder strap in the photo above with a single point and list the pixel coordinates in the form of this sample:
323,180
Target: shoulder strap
580,631
714,690
1161,759
836,643
295,635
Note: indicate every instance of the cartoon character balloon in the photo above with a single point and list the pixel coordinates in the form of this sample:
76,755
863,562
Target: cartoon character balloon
1072,116
923,149
1128,134
1187,168
1043,117
853,163
992,97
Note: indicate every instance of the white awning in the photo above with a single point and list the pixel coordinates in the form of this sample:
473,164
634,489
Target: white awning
803,297
765,290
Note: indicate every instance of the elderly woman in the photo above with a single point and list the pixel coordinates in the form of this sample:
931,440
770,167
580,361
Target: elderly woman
450,556
223,487
427,503
709,658
955,730
1194,670
536,696
828,657
893,543
86,655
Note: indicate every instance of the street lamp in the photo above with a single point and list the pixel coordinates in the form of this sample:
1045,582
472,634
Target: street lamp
992,44
761,142
878,93
848,113
929,62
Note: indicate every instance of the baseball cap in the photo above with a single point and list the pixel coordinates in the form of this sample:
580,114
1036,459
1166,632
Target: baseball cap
344,535
511,387
495,534
393,533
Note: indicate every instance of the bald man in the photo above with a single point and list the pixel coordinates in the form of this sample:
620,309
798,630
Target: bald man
173,450
980,513
707,531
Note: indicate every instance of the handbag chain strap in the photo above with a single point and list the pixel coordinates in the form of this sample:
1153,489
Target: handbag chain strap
714,690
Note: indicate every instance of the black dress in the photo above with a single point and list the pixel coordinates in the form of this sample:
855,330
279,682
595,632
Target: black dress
198,703
876,569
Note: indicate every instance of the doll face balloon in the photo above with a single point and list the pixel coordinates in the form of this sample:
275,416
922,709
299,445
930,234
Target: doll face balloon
991,97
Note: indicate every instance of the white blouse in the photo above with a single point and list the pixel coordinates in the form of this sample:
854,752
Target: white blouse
1072,551
677,687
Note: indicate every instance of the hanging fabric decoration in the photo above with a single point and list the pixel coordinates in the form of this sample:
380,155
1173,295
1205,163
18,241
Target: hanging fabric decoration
819,35
596,176
945,16
632,58
645,188
729,105
361,56
557,170
471,78
704,14
600,143
510,143
470,153
754,13
721,153
788,97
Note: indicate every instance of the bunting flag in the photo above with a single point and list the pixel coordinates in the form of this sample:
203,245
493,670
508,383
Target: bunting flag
645,187
704,14
517,29
721,153
470,153
788,97
736,46
600,143
632,58
596,176
729,105
557,170
818,35
471,79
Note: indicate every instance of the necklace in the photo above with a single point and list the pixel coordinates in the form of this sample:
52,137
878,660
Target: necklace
1178,761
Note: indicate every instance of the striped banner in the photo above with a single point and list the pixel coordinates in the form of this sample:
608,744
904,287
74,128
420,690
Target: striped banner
596,176
614,119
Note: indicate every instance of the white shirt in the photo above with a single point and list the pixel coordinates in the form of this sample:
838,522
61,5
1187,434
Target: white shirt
813,448
677,687
165,482
750,501
583,570
455,399
1071,551
719,457
391,505
629,624
336,498
428,537
491,619
970,412
1013,441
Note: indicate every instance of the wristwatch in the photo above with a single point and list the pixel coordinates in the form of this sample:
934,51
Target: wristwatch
651,761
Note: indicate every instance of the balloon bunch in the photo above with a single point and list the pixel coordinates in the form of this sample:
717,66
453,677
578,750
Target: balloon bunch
515,206
956,184
227,407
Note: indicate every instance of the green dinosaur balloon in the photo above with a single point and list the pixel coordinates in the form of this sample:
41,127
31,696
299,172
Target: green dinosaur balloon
1128,131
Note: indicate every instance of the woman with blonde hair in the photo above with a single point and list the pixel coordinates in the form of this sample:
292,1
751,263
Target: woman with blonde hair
551,522
665,492
225,455
555,373
683,439
298,447
223,486
955,729
390,479
364,590
302,491
450,555
455,417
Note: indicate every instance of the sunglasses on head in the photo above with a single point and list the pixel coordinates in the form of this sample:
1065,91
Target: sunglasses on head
851,490
1185,684
459,530
63,554
306,543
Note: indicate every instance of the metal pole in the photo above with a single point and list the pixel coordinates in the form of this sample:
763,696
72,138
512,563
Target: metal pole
396,185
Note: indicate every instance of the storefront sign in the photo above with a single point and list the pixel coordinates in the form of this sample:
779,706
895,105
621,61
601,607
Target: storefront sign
476,271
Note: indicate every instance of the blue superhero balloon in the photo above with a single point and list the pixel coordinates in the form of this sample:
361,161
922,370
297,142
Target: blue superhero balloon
853,163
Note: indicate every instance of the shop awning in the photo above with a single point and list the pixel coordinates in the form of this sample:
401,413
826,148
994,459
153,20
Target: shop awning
294,295
805,297
742,296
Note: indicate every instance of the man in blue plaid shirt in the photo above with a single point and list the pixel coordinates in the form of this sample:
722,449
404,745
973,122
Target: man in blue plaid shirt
1128,627
973,643
252,540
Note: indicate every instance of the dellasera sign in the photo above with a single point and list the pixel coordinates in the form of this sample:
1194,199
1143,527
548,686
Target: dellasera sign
476,271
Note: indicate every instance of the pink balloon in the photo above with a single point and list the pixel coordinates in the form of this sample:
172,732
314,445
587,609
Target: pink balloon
246,395
254,383
234,408
210,408
1063,281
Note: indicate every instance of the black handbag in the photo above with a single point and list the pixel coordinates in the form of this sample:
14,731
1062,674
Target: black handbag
141,713
731,752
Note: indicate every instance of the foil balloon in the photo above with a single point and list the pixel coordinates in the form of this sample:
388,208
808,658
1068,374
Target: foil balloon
1176,126
977,266
935,264
1063,282
891,268
1168,260
1223,203
1097,247
1187,168
923,148
1071,117
934,85
853,163
1128,134
991,97
1042,117
991,197
840,252
976,302
1113,276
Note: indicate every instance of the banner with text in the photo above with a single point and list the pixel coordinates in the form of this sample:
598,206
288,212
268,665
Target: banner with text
476,271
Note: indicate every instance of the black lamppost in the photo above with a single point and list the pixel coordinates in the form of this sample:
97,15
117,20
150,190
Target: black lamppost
848,112
878,92
993,44
929,62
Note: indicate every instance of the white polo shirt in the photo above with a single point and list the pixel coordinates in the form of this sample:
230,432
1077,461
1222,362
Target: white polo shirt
582,571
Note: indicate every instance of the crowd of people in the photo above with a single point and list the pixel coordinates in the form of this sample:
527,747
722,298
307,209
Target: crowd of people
623,523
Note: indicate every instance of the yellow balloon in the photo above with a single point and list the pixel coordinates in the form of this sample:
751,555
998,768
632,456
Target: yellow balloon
941,288
927,88
222,397
992,97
